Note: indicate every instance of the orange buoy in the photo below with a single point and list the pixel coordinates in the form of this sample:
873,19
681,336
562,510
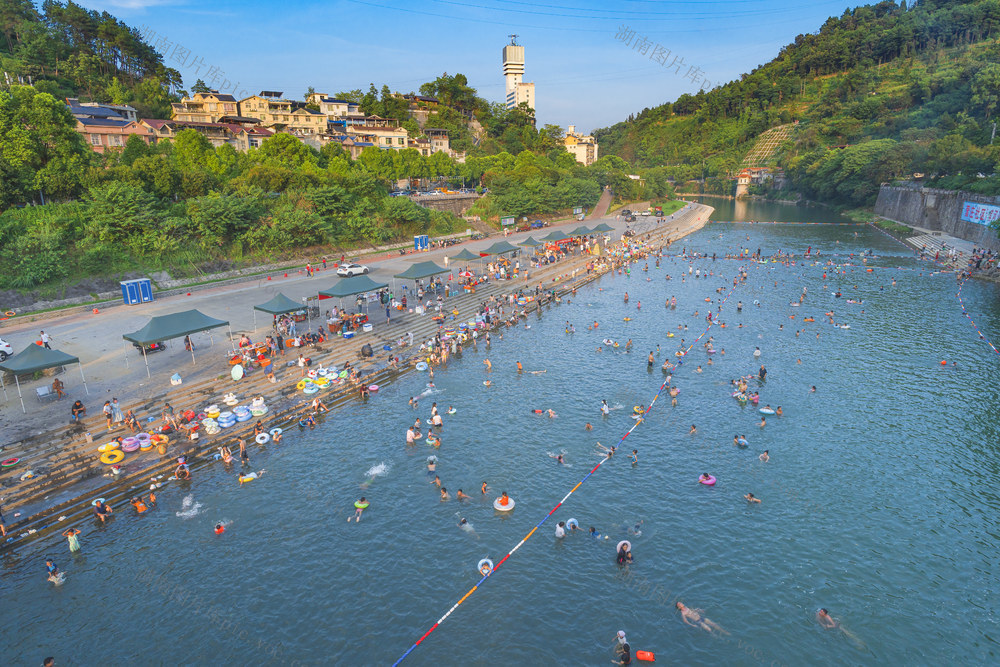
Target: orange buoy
870,270
269,277
96,311
286,274
645,655
944,363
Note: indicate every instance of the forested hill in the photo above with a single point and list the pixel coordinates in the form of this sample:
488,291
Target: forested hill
70,51
879,92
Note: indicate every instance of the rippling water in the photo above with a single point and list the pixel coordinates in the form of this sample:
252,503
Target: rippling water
879,501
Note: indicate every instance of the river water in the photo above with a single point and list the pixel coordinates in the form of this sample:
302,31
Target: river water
879,501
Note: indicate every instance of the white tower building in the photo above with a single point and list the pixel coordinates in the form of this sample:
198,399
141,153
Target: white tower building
513,73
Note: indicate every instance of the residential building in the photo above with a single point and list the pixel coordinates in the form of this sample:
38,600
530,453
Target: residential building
582,147
103,133
204,107
439,139
240,137
333,108
421,145
97,110
275,112
513,73
382,132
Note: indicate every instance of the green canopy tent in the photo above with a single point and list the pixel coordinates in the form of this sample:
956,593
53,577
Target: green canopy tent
279,304
582,230
36,358
604,227
353,285
530,243
419,270
556,236
175,325
464,256
500,247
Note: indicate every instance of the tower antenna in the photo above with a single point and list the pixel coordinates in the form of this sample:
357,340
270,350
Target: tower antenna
513,40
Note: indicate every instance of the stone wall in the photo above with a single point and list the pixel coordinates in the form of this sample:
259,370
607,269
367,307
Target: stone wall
936,210
457,204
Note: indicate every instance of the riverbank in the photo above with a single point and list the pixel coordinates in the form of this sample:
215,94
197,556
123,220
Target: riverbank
65,463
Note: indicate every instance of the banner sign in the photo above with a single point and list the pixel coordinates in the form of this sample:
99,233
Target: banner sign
984,214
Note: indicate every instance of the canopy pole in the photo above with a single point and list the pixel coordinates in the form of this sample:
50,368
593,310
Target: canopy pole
255,320
18,382
192,353
146,360
230,327
4,385
85,388
125,351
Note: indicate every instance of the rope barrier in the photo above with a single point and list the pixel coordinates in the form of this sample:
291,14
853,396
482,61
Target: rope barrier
961,286
565,498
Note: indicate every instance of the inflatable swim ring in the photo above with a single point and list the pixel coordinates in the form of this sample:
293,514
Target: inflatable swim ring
707,482
572,523
262,438
626,544
452,411
97,500
421,366
501,508
301,384
766,411
110,458
9,463
248,478
373,388
310,389
134,445
145,445
360,505
485,567
275,431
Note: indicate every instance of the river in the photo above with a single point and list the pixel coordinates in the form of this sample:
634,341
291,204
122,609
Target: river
879,501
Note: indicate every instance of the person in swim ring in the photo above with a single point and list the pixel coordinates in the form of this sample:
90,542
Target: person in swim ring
219,529
359,507
705,478
182,471
276,438
226,454
504,499
137,503
434,441
624,555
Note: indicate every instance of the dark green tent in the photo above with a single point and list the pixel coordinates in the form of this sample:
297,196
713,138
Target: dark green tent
36,358
581,231
175,325
500,247
353,285
464,256
529,243
279,304
604,227
556,236
420,270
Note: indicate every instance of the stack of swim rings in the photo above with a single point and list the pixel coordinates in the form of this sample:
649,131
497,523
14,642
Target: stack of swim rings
242,414
226,419
211,426
230,400
258,410
212,412
312,374
146,445
308,386
133,442
322,382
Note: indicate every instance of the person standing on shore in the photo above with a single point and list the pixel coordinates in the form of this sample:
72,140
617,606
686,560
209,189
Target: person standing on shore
45,340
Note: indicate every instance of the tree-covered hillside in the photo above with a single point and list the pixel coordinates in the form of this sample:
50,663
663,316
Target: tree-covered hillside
880,92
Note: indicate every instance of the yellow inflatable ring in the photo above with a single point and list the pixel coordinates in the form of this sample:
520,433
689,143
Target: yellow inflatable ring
161,439
213,414
321,382
10,313
112,457
145,445
301,384
108,446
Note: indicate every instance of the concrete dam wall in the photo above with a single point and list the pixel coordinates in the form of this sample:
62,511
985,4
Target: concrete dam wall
938,211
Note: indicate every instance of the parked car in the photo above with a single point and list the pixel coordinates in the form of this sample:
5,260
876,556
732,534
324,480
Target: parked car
348,270
6,350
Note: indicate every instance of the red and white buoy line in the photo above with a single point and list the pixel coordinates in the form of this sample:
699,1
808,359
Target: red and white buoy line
564,498
961,285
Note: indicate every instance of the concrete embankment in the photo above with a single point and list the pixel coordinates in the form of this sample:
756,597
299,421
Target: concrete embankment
937,210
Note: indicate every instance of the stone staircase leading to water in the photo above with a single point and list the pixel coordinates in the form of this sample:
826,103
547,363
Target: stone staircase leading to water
933,245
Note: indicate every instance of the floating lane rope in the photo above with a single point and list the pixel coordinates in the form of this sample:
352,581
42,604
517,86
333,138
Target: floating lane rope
564,499
982,336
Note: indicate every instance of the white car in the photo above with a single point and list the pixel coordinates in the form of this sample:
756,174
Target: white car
348,270
5,350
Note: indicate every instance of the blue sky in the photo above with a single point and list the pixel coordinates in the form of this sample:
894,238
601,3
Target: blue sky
583,75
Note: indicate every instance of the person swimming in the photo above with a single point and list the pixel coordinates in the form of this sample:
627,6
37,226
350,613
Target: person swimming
557,457
764,457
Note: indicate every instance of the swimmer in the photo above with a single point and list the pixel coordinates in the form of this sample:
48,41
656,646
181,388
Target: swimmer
431,465
763,422
694,618
750,498
824,619
604,408
251,477
137,503
519,367
359,507
558,458
276,438
101,511
698,370
226,454
588,427
489,366
764,457
444,494
552,413
635,456
561,529
74,542
650,361
52,571
437,481
484,489
693,430
778,411
593,533
461,495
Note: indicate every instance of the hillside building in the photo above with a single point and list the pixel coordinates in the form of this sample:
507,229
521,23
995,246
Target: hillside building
204,107
513,74
582,147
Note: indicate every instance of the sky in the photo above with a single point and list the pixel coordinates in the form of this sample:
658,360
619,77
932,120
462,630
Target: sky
593,63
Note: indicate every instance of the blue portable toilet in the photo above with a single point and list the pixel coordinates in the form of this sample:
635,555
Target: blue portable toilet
139,290
145,289
421,242
416,243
